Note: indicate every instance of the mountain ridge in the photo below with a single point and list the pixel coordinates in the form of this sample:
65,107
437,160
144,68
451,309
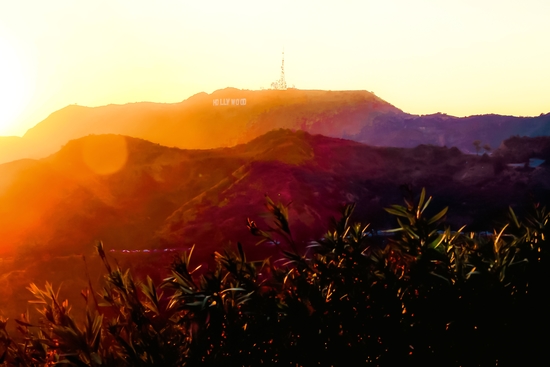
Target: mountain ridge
198,123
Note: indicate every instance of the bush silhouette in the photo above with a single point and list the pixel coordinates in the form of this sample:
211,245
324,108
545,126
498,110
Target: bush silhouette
419,294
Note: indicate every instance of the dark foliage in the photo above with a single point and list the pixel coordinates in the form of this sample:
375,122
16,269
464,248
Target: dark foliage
421,294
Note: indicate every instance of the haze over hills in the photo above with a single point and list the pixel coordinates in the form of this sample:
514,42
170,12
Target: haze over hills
197,123
231,116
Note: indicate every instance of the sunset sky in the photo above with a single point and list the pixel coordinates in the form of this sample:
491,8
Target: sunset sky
461,57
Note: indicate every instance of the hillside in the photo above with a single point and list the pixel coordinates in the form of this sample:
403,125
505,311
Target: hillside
158,195
231,116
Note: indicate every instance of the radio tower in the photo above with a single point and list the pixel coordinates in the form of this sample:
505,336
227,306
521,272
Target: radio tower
281,83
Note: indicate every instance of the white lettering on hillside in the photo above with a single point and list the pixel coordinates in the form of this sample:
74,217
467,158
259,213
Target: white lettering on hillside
229,102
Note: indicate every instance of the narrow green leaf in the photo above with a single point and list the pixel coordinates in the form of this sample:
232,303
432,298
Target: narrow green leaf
438,216
397,212
514,217
422,197
426,205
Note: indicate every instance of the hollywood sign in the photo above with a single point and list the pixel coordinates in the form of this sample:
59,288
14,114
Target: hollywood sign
229,102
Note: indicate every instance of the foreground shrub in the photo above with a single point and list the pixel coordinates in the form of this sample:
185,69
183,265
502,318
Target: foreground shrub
420,294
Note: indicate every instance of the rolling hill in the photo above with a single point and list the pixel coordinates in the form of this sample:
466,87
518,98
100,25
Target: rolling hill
231,116
160,196
154,199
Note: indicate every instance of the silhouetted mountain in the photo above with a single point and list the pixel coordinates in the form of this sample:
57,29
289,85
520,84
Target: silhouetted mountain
231,116
443,130
197,123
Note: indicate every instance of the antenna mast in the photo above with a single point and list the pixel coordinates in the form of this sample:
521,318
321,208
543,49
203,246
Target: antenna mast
281,83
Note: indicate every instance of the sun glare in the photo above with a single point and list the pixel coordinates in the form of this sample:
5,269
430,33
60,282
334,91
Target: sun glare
14,88
105,155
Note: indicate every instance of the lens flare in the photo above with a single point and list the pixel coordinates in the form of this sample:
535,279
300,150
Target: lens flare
105,154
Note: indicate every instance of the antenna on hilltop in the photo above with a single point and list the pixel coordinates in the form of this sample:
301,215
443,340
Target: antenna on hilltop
282,80
281,83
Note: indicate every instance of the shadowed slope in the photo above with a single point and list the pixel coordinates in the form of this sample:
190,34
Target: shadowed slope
180,197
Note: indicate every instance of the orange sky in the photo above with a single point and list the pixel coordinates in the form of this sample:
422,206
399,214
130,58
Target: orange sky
461,58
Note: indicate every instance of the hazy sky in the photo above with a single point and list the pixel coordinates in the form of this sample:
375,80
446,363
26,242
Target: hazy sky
423,56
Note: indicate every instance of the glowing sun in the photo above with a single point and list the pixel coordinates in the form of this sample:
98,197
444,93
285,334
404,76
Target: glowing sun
14,88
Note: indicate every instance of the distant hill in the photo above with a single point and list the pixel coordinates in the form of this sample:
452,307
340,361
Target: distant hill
231,116
197,123
444,130
13,148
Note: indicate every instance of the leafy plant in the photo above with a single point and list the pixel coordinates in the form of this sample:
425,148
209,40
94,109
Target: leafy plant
417,294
